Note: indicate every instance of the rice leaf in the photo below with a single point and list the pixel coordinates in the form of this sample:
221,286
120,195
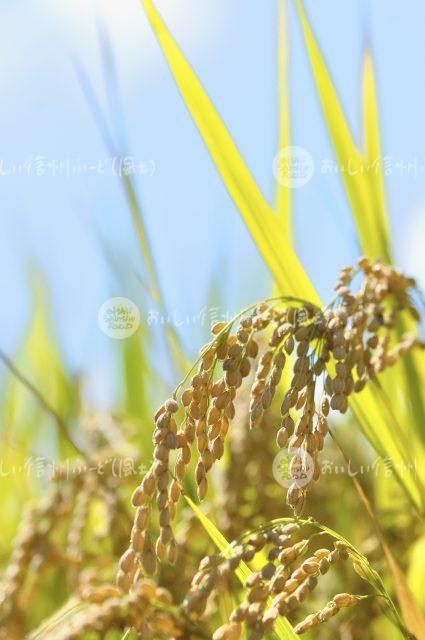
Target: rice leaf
412,614
373,236
416,571
259,218
376,420
138,378
413,365
217,537
374,157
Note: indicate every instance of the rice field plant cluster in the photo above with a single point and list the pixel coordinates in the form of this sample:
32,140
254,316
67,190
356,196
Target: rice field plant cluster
53,532
355,336
329,353
199,536
283,366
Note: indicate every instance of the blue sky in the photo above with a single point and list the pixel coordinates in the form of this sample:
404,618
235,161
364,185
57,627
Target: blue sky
54,221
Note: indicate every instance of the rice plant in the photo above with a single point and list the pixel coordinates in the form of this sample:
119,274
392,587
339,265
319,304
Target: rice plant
215,515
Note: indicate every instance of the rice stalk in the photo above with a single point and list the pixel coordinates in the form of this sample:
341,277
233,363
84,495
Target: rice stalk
264,227
364,186
355,337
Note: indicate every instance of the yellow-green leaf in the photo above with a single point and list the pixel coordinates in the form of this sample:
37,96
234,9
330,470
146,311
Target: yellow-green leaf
259,218
354,170
374,157
416,571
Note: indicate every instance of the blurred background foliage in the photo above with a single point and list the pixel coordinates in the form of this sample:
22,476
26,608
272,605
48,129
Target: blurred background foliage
171,259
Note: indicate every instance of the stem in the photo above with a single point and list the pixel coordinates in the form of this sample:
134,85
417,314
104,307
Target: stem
227,328
406,599
60,423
